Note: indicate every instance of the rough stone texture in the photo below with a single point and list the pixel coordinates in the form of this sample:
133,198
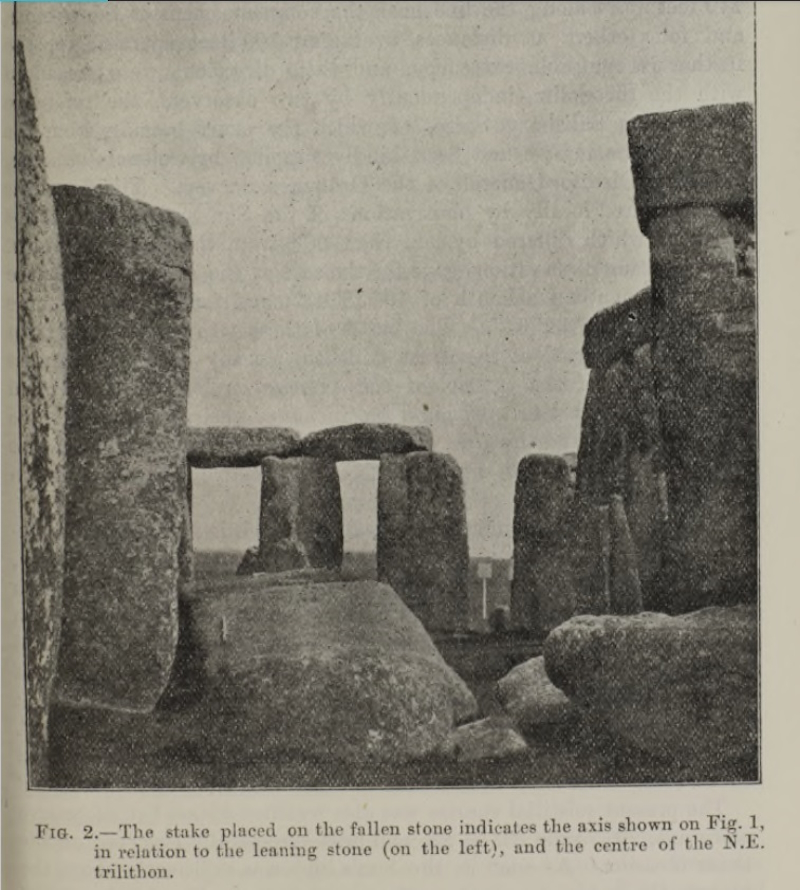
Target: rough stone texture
693,157
422,537
42,328
591,549
332,671
127,281
487,739
531,700
618,331
210,447
621,453
625,591
301,517
684,688
694,177
366,441
705,368
542,591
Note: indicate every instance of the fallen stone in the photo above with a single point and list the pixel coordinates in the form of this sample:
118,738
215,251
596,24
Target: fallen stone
618,331
422,537
331,671
42,344
683,688
300,525
210,447
127,283
487,739
531,700
366,441
693,157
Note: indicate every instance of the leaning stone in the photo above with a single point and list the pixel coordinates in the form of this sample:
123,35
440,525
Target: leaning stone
334,671
422,537
301,515
366,441
488,739
683,688
127,281
209,447
42,331
531,700
691,158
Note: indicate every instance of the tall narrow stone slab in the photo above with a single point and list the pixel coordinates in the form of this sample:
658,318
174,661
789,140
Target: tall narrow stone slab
300,524
591,548
127,278
693,173
42,327
543,590
625,589
422,537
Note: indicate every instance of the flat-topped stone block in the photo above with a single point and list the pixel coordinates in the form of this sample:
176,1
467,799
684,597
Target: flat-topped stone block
422,543
128,289
366,441
691,158
618,330
211,447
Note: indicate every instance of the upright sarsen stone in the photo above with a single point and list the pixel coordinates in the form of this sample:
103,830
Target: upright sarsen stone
542,591
694,179
422,537
127,277
42,330
300,524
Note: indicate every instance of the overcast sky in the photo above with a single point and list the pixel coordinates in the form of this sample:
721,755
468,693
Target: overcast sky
401,212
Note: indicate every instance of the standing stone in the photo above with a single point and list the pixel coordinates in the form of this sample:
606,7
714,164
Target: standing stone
422,537
301,515
591,547
42,328
542,591
694,178
625,590
127,280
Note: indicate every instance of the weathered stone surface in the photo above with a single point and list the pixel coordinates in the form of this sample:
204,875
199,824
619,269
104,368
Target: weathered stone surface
591,545
625,590
422,537
618,331
542,591
531,700
621,455
209,447
366,441
301,517
332,671
691,158
683,687
705,369
487,739
42,329
127,281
